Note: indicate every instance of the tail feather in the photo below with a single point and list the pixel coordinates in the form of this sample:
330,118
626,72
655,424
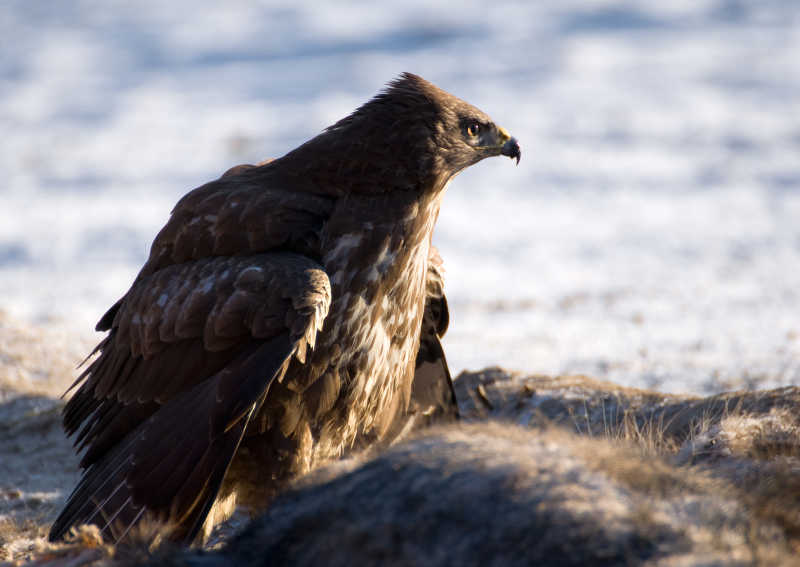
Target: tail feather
169,469
113,496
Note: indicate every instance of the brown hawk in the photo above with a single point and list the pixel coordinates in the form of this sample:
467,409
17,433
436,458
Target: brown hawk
285,315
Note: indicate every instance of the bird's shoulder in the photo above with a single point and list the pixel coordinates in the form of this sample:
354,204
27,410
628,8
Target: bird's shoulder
249,209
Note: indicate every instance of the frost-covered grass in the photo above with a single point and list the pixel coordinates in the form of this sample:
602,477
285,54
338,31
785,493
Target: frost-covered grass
650,234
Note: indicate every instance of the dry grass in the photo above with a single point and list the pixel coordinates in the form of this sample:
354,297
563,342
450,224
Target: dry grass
757,456
38,359
18,537
744,446
686,479
496,494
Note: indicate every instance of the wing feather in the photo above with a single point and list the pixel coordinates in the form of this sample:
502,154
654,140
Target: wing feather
162,414
433,397
241,213
234,299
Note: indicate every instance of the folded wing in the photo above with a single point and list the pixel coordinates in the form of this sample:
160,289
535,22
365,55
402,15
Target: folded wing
191,353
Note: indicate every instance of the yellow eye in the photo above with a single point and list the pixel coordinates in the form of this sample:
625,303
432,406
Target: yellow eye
473,129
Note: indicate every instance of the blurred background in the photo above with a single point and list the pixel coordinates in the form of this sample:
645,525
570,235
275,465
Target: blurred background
650,235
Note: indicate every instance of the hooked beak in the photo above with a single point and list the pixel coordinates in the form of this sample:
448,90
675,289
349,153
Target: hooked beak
510,146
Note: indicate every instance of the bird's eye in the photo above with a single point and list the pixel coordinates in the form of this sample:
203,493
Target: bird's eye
473,129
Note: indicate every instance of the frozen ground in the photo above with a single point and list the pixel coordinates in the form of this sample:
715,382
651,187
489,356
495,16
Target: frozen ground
650,235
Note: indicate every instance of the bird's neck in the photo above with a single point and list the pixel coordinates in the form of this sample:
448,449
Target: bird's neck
357,164
378,252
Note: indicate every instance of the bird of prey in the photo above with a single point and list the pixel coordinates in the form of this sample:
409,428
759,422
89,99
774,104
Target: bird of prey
284,317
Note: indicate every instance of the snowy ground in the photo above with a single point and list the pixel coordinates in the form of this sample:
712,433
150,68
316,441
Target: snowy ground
650,235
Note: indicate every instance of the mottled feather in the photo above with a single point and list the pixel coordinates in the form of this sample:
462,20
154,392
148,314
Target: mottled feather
289,312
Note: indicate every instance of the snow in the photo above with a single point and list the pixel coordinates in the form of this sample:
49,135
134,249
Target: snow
650,235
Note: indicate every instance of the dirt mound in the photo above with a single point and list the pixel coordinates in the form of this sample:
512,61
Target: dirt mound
541,470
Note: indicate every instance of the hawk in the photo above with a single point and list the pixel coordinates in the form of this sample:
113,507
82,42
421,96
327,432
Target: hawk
285,316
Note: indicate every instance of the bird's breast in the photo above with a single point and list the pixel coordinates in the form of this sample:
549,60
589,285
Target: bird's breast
376,316
378,279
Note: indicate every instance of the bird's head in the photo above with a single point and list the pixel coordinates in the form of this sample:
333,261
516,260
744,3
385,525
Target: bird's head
411,135
481,138
458,134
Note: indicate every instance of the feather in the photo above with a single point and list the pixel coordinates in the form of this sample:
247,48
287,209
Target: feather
301,294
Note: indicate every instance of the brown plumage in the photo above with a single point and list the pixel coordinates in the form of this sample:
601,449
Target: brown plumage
279,322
